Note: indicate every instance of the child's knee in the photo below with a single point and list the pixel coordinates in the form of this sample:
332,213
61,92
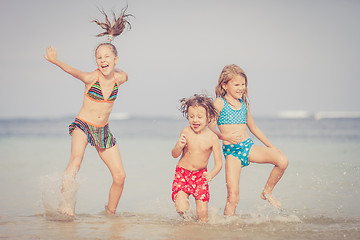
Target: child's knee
119,178
284,162
182,205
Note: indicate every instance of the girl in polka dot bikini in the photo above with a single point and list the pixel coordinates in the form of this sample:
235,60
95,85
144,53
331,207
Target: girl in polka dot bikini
238,149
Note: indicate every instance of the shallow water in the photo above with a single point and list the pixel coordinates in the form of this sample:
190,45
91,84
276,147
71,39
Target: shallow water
319,191
153,226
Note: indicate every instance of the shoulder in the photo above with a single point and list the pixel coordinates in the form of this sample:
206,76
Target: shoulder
219,103
90,77
189,133
120,76
246,104
186,130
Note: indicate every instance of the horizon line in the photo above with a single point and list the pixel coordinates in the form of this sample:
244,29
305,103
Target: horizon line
287,114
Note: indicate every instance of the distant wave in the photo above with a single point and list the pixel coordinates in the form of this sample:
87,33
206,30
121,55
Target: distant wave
338,114
302,114
297,114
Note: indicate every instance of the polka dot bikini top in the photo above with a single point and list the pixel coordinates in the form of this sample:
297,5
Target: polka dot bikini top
231,116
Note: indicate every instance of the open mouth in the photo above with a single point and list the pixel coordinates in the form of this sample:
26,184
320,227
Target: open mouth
104,67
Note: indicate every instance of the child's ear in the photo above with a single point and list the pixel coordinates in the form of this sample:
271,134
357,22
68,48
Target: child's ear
116,59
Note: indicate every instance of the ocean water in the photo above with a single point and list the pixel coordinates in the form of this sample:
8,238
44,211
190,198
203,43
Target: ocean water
320,190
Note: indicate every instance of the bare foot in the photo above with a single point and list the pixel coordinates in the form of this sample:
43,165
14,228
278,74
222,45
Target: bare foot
67,210
272,200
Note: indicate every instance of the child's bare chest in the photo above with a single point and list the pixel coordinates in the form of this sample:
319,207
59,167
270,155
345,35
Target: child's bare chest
200,144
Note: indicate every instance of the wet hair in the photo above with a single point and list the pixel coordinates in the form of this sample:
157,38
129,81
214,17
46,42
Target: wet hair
228,73
199,100
113,29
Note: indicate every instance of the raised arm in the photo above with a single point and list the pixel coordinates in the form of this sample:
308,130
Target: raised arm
51,56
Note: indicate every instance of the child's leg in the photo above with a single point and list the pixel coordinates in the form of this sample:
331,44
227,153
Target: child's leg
182,204
260,154
78,145
232,172
112,159
202,210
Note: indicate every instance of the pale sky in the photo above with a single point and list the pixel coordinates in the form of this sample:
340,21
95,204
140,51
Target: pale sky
297,54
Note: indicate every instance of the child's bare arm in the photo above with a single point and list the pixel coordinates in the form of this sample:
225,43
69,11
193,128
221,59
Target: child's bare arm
233,137
256,131
212,127
51,56
121,76
217,159
179,146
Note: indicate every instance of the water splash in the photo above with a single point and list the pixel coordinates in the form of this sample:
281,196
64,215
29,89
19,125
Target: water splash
54,200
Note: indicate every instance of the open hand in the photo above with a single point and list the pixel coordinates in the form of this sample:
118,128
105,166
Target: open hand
51,54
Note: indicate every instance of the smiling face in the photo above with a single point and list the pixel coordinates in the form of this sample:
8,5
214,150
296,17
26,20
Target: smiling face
197,118
236,87
106,59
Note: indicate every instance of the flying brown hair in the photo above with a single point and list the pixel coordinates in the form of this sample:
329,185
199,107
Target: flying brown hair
202,101
114,28
117,26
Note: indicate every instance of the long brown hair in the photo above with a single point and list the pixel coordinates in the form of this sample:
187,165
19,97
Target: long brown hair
115,28
228,73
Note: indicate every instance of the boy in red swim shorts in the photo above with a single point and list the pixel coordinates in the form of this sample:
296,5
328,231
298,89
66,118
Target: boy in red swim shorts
195,145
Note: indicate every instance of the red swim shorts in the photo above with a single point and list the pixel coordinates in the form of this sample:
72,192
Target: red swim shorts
191,182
